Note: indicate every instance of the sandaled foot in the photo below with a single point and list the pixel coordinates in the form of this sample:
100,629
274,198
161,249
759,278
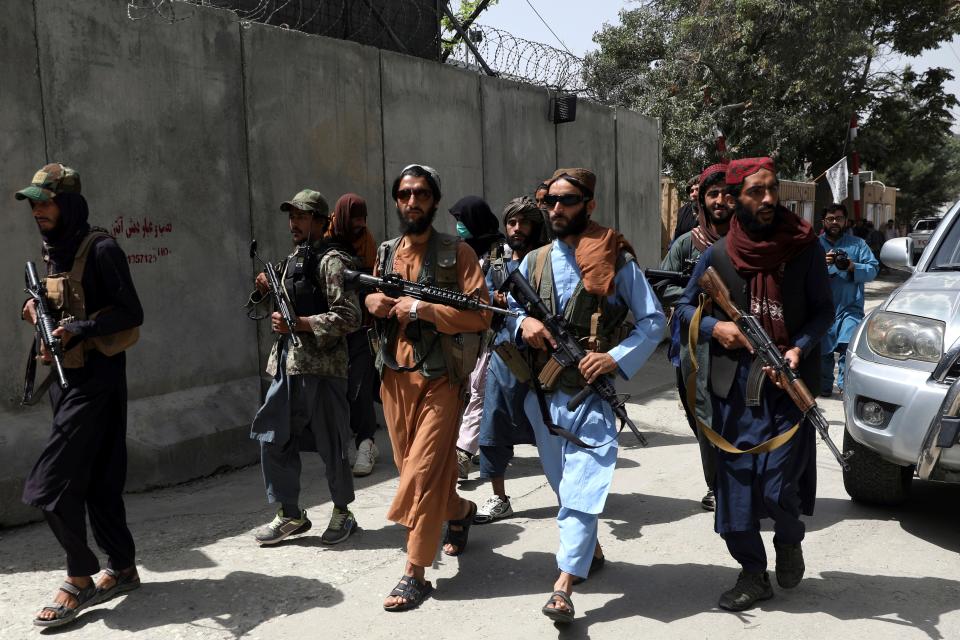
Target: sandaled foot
112,583
458,531
408,594
70,599
559,607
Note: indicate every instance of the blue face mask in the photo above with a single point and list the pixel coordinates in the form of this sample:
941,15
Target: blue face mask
463,231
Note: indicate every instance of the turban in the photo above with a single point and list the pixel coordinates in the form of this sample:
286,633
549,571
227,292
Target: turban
738,170
584,179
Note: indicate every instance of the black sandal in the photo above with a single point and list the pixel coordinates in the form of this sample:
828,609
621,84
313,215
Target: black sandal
122,583
410,589
62,614
563,616
459,538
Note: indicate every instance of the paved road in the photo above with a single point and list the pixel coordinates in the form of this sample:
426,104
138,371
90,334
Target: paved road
874,573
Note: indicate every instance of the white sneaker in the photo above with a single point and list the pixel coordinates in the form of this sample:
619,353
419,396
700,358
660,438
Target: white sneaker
493,509
366,457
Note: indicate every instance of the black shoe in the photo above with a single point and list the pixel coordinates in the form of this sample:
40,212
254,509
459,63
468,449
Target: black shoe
750,588
709,501
790,565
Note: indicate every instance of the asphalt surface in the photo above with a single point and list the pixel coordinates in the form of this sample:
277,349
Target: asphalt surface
877,573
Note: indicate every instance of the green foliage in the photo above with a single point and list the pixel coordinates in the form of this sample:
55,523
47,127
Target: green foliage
463,13
783,77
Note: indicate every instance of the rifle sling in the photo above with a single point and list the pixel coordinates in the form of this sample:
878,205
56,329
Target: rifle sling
715,438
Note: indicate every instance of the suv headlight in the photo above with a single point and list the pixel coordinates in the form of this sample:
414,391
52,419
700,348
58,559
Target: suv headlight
904,337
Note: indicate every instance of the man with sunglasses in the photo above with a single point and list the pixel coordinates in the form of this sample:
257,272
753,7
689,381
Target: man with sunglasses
588,274
713,223
851,264
425,352
775,269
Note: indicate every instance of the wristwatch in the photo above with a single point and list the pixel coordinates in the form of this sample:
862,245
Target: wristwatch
413,310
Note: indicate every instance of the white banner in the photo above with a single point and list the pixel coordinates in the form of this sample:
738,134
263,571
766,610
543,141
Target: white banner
837,178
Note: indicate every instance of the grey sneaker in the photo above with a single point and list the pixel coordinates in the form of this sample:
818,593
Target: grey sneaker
464,462
342,524
282,527
366,457
493,509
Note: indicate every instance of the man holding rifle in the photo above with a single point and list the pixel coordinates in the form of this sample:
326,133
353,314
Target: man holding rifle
775,270
83,467
588,275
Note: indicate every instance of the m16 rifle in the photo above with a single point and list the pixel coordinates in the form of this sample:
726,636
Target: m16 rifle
280,300
768,355
45,326
568,353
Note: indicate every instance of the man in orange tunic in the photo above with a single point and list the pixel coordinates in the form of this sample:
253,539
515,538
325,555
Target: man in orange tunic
424,359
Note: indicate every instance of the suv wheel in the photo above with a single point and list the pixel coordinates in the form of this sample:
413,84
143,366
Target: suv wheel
873,480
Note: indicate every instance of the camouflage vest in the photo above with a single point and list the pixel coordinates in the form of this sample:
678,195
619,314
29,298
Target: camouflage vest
598,324
438,354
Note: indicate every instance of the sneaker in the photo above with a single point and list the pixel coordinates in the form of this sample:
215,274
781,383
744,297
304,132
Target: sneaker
282,527
790,566
464,462
709,501
750,588
366,457
493,509
342,524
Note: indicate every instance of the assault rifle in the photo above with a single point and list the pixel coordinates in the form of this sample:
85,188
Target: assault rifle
394,286
768,355
681,277
45,326
568,353
280,300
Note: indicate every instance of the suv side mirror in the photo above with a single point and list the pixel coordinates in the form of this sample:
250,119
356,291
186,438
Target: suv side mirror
897,253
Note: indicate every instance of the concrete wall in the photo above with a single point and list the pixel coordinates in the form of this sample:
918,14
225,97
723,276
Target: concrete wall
189,135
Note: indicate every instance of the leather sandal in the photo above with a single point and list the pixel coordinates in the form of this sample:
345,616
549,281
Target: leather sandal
63,614
459,538
563,616
410,589
122,583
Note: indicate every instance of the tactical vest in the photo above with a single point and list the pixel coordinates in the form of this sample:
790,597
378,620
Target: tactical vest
308,296
724,362
68,302
438,354
596,322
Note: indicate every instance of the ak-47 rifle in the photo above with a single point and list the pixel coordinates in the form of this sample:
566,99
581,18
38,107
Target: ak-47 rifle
768,355
45,326
681,277
394,286
280,300
568,353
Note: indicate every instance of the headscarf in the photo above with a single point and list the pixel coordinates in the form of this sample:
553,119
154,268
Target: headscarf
60,244
762,260
482,225
348,206
596,256
526,208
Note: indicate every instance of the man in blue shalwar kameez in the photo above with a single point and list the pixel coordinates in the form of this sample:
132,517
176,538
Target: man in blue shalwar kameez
775,269
847,278
588,274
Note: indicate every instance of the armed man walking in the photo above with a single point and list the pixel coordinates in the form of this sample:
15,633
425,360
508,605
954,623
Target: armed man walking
773,266
83,467
851,264
426,353
306,406
589,275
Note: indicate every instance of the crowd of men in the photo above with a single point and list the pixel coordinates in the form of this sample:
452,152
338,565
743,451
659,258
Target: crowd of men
457,383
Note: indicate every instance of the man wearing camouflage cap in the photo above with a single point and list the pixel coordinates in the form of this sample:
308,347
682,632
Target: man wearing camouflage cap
306,407
83,467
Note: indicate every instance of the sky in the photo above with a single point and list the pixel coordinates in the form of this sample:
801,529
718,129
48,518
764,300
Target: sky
575,22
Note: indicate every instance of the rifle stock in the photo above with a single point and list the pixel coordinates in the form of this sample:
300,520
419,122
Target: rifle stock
717,289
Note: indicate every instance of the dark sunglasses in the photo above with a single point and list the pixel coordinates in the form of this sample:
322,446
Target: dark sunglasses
567,200
420,194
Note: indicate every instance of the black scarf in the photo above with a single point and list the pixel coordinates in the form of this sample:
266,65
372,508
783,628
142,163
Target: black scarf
61,243
484,227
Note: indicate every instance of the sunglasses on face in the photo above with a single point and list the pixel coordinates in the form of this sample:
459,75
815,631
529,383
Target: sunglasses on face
567,200
832,219
420,194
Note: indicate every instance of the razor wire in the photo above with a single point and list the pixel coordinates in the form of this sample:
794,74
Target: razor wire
414,23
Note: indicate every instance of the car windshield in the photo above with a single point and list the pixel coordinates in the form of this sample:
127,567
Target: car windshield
926,225
947,256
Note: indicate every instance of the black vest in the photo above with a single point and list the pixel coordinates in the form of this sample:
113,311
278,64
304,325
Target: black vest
309,297
796,313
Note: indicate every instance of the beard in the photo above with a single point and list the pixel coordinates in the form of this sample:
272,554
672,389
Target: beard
752,225
576,226
418,226
833,232
723,218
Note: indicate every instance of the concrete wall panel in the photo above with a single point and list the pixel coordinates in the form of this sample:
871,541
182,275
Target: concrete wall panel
638,171
431,115
519,140
590,141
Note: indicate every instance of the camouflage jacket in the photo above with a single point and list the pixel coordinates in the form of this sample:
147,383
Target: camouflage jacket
324,349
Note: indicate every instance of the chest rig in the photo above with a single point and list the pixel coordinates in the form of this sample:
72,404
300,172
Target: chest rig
308,296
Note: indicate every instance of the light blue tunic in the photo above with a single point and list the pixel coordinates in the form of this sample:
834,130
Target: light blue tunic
847,289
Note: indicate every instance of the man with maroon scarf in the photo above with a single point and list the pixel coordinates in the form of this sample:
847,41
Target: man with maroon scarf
775,269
